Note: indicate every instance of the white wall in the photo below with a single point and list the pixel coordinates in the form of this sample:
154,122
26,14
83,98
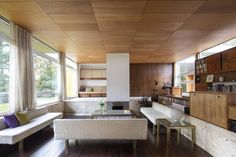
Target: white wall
118,76
96,83
93,66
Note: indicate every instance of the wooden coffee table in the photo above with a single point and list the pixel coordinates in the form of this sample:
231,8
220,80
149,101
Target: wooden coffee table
177,125
111,113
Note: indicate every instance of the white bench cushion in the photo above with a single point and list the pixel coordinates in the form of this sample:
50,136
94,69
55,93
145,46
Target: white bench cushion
14,135
152,114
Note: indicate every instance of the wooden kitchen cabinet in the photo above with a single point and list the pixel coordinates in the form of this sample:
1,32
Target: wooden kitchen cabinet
197,105
216,109
212,107
229,60
93,74
213,63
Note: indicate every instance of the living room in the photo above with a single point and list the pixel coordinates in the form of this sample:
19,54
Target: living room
118,78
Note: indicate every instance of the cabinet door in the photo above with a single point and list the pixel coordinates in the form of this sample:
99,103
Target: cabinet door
197,101
214,63
200,86
216,109
229,60
85,74
98,74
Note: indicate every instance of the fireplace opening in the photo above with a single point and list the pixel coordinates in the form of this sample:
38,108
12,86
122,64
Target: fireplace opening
117,107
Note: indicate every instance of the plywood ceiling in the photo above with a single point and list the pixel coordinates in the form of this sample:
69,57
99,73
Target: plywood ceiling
152,31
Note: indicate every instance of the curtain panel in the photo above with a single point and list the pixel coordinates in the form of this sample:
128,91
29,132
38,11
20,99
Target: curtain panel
22,93
62,76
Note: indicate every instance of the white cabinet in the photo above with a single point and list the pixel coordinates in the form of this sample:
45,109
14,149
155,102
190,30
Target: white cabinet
99,74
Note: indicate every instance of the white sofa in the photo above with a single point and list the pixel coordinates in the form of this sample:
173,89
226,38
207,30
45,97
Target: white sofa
100,129
40,118
157,111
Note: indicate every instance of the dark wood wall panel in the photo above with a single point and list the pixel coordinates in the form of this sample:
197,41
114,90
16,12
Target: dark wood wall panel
142,77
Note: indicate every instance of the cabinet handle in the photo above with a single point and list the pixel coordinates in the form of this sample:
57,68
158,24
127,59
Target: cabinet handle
217,97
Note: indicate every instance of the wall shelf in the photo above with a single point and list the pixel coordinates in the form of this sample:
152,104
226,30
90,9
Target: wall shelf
93,78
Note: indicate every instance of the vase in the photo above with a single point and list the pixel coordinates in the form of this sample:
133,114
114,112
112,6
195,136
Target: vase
101,107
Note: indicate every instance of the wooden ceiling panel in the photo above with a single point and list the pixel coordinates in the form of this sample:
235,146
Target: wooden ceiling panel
28,15
119,4
150,30
208,22
78,27
117,39
147,36
218,6
117,26
164,18
84,35
73,18
157,27
147,44
117,49
173,6
66,7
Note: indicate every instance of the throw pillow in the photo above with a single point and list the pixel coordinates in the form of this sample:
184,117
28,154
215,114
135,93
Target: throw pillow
22,118
11,121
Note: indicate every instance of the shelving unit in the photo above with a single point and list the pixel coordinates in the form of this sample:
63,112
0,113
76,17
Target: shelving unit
221,64
92,80
93,74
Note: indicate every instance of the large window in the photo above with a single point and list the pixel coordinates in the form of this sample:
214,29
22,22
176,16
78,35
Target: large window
219,48
46,68
71,79
184,74
4,66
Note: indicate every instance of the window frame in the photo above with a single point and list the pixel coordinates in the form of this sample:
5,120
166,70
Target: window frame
43,55
75,69
176,77
199,54
5,38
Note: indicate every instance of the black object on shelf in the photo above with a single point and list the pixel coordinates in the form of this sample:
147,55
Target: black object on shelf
233,125
187,110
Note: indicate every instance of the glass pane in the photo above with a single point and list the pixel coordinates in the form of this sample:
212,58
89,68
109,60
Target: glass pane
71,82
4,66
187,87
4,76
41,48
46,80
219,48
4,30
71,63
183,78
184,73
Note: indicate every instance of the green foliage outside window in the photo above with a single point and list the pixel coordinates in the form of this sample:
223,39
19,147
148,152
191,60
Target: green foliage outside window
4,66
45,74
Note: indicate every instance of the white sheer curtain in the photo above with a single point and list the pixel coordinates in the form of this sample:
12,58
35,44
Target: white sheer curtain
63,76
22,95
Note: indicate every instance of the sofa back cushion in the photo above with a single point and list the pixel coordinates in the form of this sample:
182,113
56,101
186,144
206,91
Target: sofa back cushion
37,112
100,129
11,120
22,117
2,124
162,108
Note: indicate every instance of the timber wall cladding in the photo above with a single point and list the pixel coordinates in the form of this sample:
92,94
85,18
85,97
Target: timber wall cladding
142,77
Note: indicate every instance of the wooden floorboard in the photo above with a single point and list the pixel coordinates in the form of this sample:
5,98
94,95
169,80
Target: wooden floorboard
42,144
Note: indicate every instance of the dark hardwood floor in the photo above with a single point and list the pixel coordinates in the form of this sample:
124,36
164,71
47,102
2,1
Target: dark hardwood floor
42,144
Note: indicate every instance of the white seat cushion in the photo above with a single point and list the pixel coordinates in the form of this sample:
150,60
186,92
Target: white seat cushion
152,114
14,135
